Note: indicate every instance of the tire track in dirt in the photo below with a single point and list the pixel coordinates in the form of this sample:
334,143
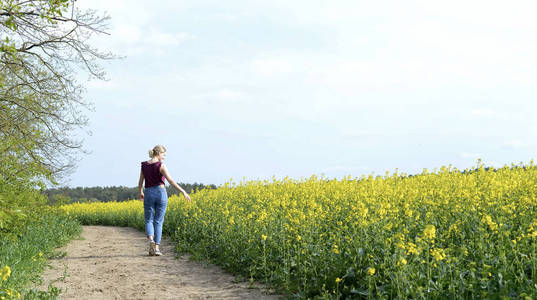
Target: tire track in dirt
113,263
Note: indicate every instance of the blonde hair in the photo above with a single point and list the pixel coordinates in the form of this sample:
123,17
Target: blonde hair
156,150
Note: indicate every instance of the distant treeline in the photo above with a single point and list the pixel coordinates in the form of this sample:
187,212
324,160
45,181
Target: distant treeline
66,195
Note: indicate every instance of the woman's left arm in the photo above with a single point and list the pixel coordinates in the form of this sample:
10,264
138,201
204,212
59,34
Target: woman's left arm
141,185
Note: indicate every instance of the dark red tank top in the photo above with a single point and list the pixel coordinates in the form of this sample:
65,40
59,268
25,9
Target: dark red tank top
152,174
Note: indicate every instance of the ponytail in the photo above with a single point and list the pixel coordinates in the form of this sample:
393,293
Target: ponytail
156,151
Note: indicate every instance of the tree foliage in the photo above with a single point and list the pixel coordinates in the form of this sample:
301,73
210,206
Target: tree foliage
43,45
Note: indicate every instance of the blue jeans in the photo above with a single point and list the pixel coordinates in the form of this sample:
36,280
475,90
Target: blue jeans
155,202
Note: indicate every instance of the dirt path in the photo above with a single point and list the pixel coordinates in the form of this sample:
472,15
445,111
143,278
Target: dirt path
113,263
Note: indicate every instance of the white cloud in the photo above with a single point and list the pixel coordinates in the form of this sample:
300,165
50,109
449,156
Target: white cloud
134,27
101,84
272,66
130,40
504,113
228,94
484,112
469,155
223,96
343,169
127,33
394,46
516,144
161,39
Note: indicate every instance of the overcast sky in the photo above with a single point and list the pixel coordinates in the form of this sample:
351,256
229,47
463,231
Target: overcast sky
255,89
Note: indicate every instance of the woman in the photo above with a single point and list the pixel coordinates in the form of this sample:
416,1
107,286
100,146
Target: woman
155,198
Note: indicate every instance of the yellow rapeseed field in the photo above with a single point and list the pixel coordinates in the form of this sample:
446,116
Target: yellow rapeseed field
440,234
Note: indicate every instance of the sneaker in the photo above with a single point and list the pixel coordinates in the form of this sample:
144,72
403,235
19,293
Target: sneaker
152,248
157,252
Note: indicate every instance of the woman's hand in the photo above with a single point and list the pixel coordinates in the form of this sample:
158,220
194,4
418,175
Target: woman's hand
141,196
187,197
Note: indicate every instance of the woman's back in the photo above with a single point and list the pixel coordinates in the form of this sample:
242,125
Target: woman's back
152,174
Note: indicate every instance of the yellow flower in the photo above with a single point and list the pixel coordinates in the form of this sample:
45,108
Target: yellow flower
412,249
438,254
338,280
5,273
264,237
335,249
371,271
488,220
429,232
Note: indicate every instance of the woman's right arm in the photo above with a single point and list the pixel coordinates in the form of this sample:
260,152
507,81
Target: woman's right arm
141,185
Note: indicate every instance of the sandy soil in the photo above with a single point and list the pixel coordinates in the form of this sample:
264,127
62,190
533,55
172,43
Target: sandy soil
113,263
